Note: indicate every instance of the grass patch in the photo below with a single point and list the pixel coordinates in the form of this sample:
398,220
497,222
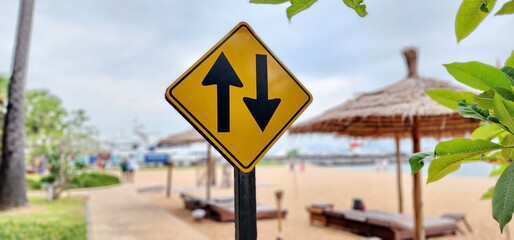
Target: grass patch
62,219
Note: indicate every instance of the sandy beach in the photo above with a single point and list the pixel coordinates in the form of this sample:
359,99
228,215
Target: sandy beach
337,186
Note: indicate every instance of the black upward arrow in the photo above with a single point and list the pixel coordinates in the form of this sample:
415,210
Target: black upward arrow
223,75
262,108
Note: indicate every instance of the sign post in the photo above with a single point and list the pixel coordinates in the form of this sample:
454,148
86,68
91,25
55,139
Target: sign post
241,98
245,205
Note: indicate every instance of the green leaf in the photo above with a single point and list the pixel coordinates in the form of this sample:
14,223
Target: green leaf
478,75
357,5
507,8
450,154
510,60
504,111
450,98
470,15
298,6
503,202
485,99
486,132
488,194
508,153
498,171
494,119
417,160
472,111
269,1
509,71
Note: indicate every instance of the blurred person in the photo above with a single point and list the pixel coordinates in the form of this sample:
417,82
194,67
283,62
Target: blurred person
99,163
132,167
124,165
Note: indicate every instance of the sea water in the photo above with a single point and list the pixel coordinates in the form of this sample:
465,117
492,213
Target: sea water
474,169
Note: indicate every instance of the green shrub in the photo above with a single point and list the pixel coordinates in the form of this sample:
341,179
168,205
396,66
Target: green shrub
82,180
33,182
48,179
93,179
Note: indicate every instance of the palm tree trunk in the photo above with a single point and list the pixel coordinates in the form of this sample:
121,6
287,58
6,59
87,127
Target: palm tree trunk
12,166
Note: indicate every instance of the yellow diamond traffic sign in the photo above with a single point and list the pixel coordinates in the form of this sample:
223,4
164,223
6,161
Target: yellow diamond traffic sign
240,97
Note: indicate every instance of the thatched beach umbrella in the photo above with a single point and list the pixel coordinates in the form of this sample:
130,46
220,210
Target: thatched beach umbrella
189,137
399,110
181,138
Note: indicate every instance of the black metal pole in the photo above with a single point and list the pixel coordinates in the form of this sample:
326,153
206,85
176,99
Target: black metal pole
245,205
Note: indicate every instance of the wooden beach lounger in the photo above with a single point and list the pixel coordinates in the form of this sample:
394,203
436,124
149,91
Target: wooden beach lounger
388,226
222,208
225,212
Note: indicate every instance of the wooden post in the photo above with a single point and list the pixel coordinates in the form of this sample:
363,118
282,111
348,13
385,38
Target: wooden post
419,231
245,205
168,180
278,195
213,166
399,174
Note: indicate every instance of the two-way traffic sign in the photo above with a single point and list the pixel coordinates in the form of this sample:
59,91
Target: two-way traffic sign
240,97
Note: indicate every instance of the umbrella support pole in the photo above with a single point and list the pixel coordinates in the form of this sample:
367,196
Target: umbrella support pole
399,174
419,231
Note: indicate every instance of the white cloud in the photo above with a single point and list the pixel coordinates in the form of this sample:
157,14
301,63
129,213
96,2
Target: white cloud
330,91
116,61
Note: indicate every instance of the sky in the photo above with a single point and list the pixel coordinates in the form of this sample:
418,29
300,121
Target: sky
115,58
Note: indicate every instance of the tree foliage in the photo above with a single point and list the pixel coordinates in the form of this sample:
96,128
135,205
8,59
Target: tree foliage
56,134
300,5
53,133
493,142
469,15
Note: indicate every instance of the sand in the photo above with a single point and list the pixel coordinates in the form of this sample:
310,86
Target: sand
338,186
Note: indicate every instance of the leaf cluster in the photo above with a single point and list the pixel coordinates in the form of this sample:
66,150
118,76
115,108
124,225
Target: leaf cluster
299,5
470,14
53,133
493,142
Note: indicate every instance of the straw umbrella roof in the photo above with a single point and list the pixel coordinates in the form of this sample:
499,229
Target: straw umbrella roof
188,137
389,111
181,138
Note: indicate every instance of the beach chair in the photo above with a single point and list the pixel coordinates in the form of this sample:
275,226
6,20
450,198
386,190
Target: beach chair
400,226
221,208
316,215
316,212
387,226
224,212
192,202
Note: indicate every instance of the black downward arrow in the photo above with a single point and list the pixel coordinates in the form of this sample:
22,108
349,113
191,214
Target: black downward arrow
223,75
262,108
